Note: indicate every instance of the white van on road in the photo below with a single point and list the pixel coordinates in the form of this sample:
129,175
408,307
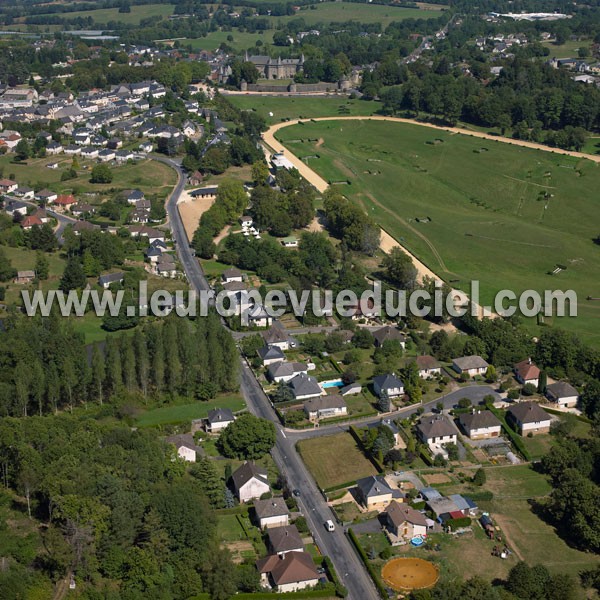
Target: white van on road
329,525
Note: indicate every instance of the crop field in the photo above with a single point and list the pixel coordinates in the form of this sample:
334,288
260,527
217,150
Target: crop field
335,459
284,108
470,209
339,12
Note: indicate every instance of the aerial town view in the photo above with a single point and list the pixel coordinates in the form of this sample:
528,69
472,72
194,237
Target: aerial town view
299,299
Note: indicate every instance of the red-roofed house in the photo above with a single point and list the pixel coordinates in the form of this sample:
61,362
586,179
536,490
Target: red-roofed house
64,202
8,185
527,372
28,222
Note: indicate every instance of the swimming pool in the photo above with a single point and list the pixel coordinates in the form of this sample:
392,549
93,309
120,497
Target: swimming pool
332,383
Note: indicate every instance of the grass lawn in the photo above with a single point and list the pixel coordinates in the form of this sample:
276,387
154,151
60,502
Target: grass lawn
335,459
104,15
340,12
186,412
293,107
488,218
567,50
242,40
149,176
229,528
538,445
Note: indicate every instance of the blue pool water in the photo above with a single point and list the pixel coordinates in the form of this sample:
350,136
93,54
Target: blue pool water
333,383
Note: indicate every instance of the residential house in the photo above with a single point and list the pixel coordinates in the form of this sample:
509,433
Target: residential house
246,221
404,522
471,365
480,424
185,446
122,156
30,221
42,215
8,185
428,366
83,226
284,539
106,155
231,275
24,192
107,280
277,335
259,317
293,572
304,387
563,393
529,417
272,512
388,384
64,202
195,178
250,482
218,419
165,266
436,432
284,371
134,196
441,505
386,334
45,196
72,150
81,208
325,407
25,277
270,355
527,372
375,491
363,309
54,148
90,152
466,506
290,242
15,207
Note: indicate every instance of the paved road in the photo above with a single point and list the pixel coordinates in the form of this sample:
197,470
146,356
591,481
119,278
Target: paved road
312,503
63,221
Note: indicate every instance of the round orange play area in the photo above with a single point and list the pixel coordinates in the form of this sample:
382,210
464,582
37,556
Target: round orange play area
403,574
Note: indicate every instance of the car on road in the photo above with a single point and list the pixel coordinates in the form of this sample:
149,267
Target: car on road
296,493
329,525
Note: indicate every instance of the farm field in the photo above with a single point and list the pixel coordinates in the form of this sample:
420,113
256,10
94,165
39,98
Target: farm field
242,40
105,15
339,12
488,211
334,460
186,412
295,107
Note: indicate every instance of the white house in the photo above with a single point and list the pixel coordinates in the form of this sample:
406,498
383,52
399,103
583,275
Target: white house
8,185
471,365
480,424
527,372
324,407
250,482
218,419
185,446
563,393
529,417
388,384
428,366
270,355
436,429
284,371
304,387
293,572
404,522
272,512
232,275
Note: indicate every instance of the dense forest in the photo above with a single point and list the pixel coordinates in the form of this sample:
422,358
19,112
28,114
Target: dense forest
45,366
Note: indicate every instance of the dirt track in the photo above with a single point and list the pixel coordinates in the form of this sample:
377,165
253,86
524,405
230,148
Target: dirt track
387,241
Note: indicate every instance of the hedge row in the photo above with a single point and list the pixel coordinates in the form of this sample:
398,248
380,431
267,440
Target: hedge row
424,454
240,509
515,438
340,486
340,589
325,592
356,435
374,575
455,524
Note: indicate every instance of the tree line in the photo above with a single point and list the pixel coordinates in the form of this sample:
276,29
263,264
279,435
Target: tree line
46,367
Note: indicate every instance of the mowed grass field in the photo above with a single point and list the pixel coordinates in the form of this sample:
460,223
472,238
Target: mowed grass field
186,412
242,40
284,108
500,214
105,15
149,176
340,12
334,460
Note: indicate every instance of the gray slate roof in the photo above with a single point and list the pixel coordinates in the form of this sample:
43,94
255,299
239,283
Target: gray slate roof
246,472
436,426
